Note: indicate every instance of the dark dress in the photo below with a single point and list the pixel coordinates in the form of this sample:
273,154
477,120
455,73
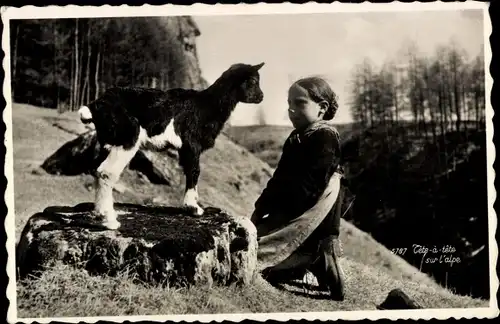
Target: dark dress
309,159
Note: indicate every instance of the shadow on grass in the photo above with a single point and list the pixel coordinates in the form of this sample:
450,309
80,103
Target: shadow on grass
307,290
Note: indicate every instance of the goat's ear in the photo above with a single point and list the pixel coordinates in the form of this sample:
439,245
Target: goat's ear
258,66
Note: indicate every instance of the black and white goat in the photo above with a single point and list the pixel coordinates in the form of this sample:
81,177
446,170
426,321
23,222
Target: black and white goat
127,119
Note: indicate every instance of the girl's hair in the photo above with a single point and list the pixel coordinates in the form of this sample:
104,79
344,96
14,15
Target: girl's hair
319,90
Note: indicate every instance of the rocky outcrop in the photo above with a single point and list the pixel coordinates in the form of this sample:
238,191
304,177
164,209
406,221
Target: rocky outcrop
83,155
189,74
398,299
154,244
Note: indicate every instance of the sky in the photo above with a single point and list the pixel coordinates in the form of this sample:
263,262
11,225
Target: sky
327,44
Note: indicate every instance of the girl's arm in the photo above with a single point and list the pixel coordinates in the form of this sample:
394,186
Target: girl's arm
264,203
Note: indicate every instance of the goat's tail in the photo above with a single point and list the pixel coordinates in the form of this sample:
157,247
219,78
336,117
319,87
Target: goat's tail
85,114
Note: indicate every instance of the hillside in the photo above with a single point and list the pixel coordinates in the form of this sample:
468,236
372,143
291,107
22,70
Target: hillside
265,141
231,178
410,190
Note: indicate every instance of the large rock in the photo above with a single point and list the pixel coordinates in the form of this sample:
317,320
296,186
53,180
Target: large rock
83,155
157,244
398,299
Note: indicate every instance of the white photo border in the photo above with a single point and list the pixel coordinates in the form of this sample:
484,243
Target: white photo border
73,11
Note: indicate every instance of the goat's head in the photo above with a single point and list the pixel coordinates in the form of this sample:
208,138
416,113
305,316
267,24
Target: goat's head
246,78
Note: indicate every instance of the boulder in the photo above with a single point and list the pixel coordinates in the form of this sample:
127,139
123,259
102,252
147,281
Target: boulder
156,244
398,299
84,154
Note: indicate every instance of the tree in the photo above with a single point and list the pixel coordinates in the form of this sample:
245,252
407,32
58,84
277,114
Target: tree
64,63
357,104
476,91
261,116
14,37
456,65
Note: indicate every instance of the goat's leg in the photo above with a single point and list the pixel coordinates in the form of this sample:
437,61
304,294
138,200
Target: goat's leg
190,162
108,174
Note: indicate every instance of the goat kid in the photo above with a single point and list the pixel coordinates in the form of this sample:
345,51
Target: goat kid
127,119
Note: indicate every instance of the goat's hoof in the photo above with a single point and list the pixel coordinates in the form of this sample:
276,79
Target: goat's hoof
111,224
195,210
107,219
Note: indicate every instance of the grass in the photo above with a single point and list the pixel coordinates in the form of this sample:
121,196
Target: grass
265,142
231,178
65,292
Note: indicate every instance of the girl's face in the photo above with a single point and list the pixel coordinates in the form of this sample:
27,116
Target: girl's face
302,110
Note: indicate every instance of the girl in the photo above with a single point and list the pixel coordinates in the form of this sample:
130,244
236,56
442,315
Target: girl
298,214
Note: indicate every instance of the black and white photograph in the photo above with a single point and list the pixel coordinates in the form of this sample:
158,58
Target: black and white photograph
251,161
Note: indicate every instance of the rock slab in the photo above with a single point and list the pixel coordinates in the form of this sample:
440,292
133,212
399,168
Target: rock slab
154,244
398,299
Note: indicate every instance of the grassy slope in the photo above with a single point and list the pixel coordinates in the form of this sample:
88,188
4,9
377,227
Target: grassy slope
372,270
263,141
266,141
